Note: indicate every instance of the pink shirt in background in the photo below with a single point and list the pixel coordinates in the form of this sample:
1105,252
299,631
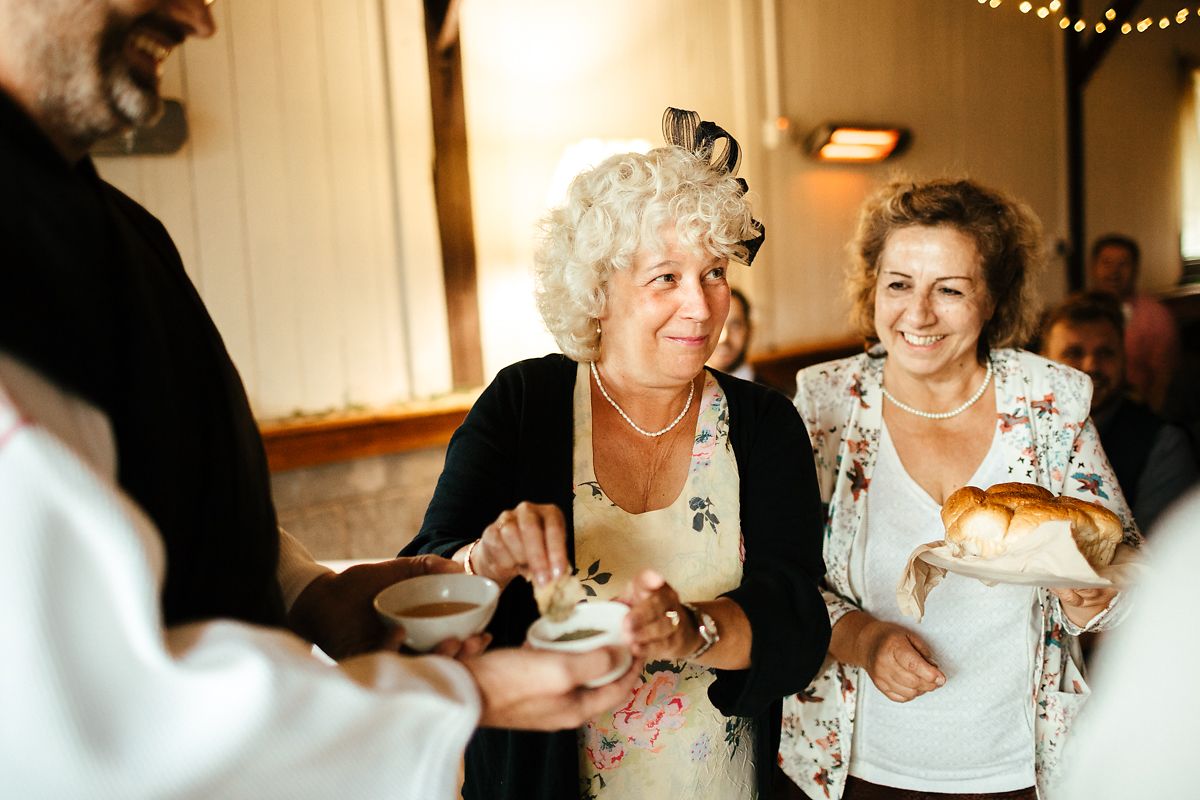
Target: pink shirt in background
1151,348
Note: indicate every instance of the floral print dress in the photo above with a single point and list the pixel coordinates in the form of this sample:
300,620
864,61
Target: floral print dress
668,740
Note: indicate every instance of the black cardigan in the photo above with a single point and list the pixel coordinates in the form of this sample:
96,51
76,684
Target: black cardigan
517,444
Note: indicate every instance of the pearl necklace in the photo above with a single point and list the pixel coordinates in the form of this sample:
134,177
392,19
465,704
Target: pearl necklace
944,414
634,425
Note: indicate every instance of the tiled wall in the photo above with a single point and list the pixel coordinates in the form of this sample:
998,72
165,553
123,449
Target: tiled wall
367,508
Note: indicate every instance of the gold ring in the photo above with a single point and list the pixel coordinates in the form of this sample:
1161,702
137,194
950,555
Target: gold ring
673,617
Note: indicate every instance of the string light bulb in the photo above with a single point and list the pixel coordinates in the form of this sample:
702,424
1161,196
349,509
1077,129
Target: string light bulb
1081,24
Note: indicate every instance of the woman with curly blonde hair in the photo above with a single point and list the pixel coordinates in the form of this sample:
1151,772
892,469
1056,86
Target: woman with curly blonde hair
975,702
687,494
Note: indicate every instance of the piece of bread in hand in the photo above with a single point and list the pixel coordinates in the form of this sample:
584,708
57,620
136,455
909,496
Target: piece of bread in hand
980,523
558,598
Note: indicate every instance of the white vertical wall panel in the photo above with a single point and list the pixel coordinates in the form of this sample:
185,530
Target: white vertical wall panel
217,165
393,342
283,202
411,144
359,166
167,187
261,139
309,206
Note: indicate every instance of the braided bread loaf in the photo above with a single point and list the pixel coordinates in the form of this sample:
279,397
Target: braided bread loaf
980,523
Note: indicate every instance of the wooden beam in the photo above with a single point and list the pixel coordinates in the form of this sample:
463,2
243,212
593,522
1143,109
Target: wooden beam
1084,54
1091,52
448,35
452,191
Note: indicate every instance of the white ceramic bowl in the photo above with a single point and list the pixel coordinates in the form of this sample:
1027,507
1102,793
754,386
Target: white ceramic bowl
422,633
601,615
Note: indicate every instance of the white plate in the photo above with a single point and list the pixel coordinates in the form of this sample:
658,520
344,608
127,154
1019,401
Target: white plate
980,570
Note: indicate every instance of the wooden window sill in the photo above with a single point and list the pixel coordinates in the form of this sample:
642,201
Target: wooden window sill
297,442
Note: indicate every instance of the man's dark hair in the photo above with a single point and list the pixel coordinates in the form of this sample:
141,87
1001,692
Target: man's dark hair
1117,240
1085,307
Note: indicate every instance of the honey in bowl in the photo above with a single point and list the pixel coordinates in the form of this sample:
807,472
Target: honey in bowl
434,608
440,609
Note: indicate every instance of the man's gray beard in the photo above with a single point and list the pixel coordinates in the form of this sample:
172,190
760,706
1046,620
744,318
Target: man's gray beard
136,104
85,104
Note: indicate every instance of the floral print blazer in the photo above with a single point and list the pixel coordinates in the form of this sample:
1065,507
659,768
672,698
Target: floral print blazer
1042,415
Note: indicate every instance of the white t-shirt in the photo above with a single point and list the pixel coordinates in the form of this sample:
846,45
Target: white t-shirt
99,700
975,733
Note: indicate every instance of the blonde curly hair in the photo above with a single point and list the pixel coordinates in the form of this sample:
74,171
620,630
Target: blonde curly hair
1006,233
613,211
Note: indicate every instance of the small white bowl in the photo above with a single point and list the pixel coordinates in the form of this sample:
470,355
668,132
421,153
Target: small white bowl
604,616
422,632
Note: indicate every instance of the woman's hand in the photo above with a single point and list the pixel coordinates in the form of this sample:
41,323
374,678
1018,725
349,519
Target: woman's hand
657,626
529,540
1080,605
899,662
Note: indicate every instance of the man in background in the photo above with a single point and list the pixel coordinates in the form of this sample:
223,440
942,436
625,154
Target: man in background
1151,337
1153,460
148,588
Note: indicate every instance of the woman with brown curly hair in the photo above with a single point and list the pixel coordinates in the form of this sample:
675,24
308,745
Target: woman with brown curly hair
976,700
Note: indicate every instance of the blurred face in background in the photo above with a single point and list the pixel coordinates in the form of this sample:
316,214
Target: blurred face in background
1114,271
735,339
1094,347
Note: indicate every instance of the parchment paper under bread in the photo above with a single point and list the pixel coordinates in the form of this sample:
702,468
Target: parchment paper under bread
1047,556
